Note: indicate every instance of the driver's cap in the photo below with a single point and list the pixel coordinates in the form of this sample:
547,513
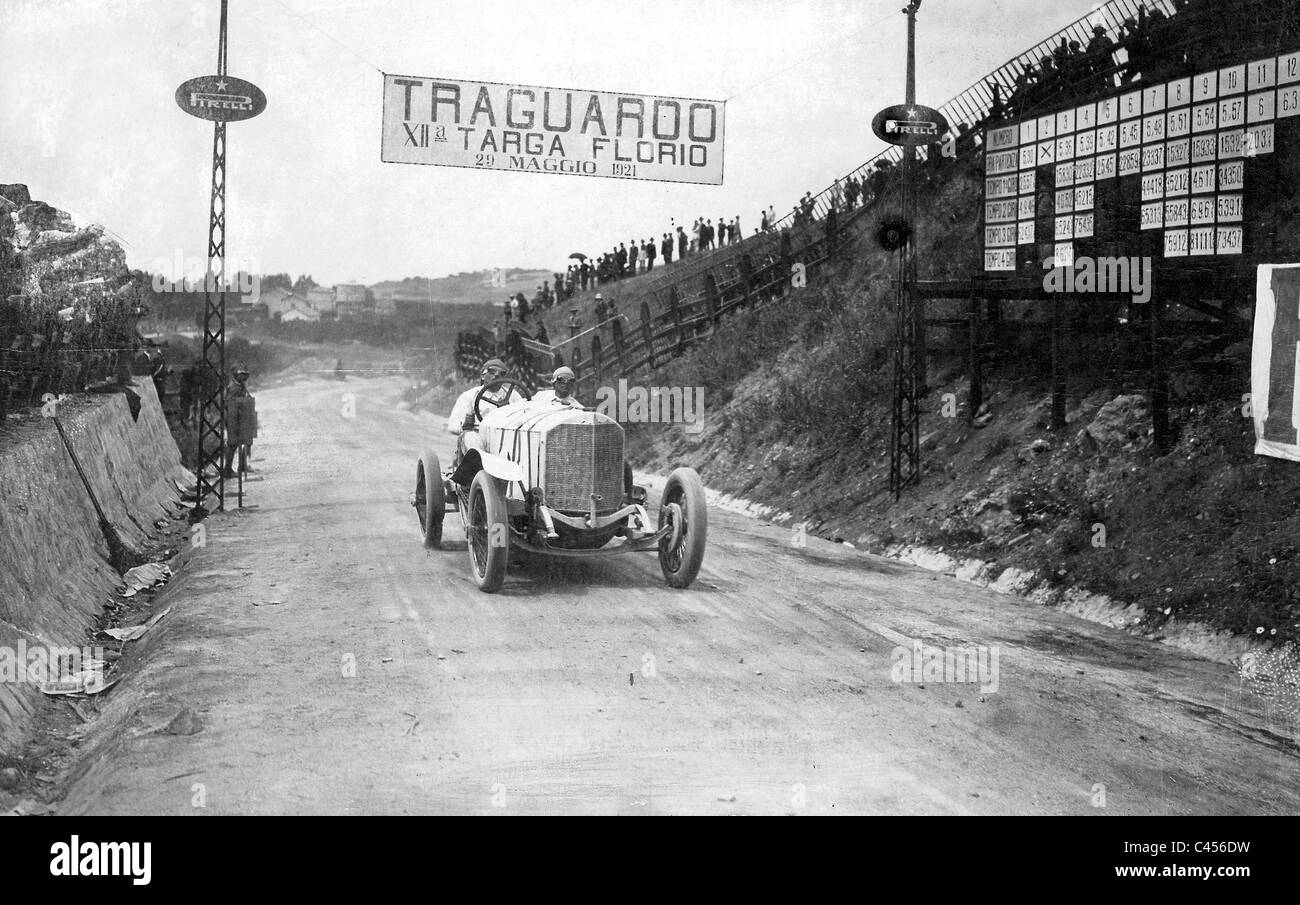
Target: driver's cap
494,363
563,372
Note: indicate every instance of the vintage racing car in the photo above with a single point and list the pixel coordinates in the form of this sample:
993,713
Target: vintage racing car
552,480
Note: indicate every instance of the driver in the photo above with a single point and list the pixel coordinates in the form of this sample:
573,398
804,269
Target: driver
563,380
462,418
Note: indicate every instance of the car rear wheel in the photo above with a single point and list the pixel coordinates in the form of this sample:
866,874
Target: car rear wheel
489,532
683,507
430,499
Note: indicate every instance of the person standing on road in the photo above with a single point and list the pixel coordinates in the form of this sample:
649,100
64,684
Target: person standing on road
241,422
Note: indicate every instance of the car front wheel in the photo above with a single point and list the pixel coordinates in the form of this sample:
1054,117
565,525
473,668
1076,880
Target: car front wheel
683,508
489,532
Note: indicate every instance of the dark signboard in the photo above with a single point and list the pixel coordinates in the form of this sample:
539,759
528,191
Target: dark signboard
909,125
220,98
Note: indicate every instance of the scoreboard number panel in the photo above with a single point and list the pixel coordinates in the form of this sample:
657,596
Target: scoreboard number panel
1176,212
1232,176
1176,243
1202,211
1262,107
1288,101
1232,112
1153,215
1230,240
1288,68
1261,74
1231,208
1201,241
1205,117
1258,140
1178,153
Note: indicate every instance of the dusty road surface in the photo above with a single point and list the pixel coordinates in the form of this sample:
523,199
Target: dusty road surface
335,666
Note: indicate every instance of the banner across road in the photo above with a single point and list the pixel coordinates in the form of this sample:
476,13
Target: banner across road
534,129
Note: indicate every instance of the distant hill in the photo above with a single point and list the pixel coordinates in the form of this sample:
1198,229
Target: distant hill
476,288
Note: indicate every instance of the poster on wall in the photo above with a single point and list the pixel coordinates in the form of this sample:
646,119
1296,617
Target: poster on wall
1275,400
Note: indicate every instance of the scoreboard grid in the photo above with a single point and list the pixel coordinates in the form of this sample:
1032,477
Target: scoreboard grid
1187,139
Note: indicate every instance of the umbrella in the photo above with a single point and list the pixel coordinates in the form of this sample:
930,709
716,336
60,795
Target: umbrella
579,255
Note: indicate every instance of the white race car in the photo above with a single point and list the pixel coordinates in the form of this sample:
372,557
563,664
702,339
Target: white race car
552,480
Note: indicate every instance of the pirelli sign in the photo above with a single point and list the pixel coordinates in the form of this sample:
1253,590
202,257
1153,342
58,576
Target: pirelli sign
535,129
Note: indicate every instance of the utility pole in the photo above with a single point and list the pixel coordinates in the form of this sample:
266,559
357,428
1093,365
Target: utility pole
909,353
212,411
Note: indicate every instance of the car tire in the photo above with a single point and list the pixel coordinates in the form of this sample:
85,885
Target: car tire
682,552
430,499
488,532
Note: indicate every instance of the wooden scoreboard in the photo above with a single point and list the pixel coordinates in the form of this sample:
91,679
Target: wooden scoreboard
1184,171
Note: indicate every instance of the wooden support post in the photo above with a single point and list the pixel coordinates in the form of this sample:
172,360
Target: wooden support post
647,334
711,297
674,306
976,360
1159,378
1058,369
747,277
787,260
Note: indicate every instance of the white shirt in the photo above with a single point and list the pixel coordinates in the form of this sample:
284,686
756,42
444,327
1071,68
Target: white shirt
465,404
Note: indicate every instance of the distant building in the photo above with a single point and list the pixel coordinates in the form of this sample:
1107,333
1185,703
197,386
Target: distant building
303,314
321,300
352,300
276,301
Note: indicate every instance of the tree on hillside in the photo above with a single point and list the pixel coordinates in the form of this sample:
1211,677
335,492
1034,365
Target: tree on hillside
277,280
303,283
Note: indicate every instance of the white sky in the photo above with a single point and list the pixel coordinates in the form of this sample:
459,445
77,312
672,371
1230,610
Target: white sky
88,119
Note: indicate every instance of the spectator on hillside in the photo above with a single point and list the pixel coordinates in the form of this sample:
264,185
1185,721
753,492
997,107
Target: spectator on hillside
771,217
541,336
1100,50
575,323
650,253
620,261
681,243
600,309
585,273
666,248
632,254
522,308
851,191
509,309
762,220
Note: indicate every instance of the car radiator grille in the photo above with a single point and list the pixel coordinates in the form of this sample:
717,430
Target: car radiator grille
582,459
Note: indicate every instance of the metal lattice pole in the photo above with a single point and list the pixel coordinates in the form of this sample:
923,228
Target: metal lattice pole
212,416
905,446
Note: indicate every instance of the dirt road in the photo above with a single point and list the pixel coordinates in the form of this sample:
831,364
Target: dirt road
337,667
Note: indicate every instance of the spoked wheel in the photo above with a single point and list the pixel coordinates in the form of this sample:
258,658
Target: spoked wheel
489,532
681,552
430,499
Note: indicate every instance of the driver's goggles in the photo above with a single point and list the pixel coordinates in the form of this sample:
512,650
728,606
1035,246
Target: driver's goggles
493,372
